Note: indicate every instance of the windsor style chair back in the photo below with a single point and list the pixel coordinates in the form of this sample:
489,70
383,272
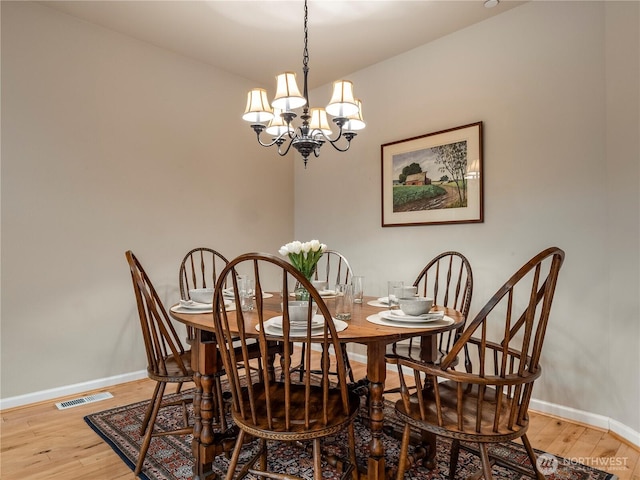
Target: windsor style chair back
199,269
167,360
281,408
448,279
490,404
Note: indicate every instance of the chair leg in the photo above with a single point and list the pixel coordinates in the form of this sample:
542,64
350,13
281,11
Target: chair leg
263,456
317,459
352,451
453,460
486,462
347,363
404,452
152,402
155,407
233,463
532,457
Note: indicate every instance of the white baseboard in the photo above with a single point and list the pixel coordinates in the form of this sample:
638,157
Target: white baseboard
592,419
44,395
625,432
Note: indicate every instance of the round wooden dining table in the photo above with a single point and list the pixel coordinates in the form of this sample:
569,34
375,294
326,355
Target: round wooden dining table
207,443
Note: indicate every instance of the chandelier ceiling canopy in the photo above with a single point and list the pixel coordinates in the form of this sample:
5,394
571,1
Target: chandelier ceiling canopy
276,119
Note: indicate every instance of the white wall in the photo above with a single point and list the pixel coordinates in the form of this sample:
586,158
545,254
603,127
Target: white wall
556,85
110,144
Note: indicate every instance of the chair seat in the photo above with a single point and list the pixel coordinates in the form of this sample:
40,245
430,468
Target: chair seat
174,374
449,409
297,430
412,351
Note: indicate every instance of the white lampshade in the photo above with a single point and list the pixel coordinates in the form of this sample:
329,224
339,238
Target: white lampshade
355,122
277,126
288,94
258,109
319,121
342,102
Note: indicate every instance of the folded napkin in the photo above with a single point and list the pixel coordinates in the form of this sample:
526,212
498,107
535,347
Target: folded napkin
192,304
326,292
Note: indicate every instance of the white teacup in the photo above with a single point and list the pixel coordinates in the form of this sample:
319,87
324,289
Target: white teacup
201,295
406,292
320,285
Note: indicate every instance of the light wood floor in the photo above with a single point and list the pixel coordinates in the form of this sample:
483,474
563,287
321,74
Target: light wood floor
41,442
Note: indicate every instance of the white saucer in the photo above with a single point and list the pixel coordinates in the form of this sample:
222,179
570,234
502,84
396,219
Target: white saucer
443,322
273,326
400,316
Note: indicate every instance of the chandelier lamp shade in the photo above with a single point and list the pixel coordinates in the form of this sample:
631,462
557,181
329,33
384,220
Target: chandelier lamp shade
276,119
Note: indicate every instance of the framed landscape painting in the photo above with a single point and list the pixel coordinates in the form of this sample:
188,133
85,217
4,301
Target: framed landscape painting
435,178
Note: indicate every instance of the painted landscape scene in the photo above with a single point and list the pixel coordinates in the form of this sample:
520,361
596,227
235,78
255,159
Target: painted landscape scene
430,179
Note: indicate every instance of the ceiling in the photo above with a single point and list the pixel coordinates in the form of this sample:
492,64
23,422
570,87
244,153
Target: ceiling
259,39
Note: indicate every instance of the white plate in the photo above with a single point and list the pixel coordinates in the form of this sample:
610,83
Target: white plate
316,322
271,327
377,303
230,307
400,316
179,309
378,320
228,293
191,305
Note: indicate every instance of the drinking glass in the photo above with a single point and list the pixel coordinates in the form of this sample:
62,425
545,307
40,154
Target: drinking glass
344,301
358,288
246,292
394,291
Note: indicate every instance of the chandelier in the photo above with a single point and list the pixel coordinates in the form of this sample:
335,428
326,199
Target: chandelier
314,131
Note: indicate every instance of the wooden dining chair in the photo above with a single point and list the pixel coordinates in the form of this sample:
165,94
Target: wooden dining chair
491,404
167,360
333,268
281,408
199,269
448,279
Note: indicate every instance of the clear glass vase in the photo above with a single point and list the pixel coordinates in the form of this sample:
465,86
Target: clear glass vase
300,292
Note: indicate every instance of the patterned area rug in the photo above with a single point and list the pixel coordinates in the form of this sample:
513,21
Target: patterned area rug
169,457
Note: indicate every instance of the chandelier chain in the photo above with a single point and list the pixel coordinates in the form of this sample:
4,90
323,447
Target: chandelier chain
305,53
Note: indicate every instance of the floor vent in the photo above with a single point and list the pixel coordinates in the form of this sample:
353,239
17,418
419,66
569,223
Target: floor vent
82,400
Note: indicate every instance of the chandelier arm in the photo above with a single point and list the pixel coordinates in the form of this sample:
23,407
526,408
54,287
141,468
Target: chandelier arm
279,140
280,152
325,138
334,145
271,144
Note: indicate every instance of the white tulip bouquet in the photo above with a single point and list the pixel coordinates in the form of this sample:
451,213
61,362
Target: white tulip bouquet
304,256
